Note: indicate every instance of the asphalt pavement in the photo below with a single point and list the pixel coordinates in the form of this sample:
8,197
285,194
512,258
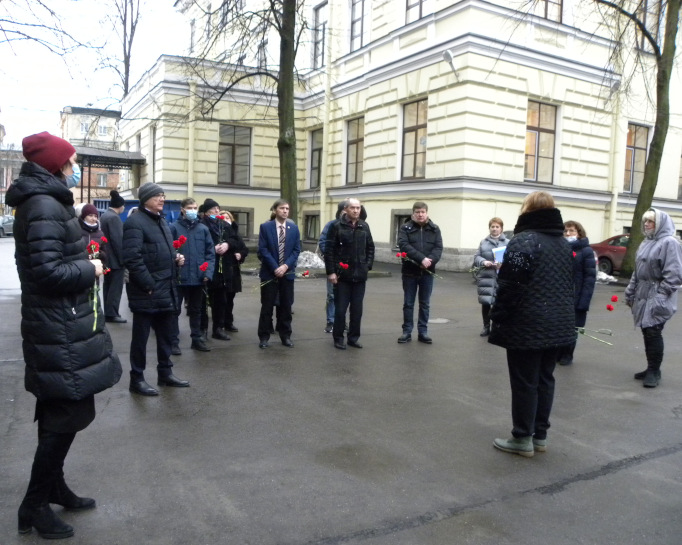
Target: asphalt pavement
388,445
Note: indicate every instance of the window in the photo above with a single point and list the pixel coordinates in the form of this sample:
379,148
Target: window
319,34
262,54
547,9
102,180
316,141
679,183
635,158
357,24
192,37
355,150
400,217
102,130
414,10
414,140
209,26
540,136
234,155
649,13
85,127
312,227
243,219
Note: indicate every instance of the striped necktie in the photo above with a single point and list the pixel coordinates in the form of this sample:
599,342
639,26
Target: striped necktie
281,244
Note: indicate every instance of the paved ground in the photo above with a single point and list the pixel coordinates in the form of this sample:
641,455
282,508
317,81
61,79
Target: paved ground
389,445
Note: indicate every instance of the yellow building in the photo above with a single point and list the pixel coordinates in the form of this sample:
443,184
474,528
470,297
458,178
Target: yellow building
467,105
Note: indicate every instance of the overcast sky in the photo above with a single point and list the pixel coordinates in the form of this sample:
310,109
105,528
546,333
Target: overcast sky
36,85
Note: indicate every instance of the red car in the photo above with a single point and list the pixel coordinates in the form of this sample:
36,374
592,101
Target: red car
610,253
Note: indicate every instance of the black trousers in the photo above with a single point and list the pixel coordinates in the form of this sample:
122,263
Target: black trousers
229,308
531,375
164,324
348,294
47,471
113,287
218,296
566,352
653,346
195,298
280,292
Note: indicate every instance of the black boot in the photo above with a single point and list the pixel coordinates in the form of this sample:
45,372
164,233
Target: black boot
62,495
44,520
653,348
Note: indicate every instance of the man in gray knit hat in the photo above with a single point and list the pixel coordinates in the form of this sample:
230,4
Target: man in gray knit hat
151,259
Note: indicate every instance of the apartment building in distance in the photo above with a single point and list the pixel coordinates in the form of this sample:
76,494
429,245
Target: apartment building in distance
468,105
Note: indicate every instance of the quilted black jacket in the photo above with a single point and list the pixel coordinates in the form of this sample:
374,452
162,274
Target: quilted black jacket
67,350
352,246
534,309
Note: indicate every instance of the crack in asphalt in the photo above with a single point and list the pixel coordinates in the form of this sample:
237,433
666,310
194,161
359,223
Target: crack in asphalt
424,519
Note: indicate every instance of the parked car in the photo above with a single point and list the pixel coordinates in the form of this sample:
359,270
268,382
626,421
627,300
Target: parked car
6,226
610,253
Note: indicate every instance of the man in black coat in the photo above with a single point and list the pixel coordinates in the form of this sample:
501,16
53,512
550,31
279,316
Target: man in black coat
348,258
112,227
151,260
421,240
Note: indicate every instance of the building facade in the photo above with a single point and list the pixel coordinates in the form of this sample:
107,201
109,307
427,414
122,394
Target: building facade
468,105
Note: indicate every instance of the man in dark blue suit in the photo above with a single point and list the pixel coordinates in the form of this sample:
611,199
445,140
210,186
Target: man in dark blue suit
279,243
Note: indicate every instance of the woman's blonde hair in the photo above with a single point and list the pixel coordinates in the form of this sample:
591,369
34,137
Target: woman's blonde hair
649,215
536,201
227,214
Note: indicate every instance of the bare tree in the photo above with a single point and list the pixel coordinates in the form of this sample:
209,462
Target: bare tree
221,71
34,21
651,38
123,20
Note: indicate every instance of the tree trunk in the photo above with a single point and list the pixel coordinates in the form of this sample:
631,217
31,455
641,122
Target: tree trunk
664,67
286,142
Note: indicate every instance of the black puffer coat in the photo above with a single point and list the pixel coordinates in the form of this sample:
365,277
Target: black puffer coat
418,242
352,246
232,275
534,308
149,256
584,273
67,350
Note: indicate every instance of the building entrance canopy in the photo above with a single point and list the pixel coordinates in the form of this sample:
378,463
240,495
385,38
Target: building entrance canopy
111,159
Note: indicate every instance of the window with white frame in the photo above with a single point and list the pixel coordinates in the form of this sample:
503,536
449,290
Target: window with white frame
319,34
635,157
316,142
234,155
102,180
102,130
355,150
357,24
547,9
85,127
649,13
414,140
414,10
540,138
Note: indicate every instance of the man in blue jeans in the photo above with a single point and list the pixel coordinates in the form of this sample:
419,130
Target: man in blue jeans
421,240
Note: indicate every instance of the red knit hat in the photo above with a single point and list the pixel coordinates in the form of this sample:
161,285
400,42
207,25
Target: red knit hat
50,152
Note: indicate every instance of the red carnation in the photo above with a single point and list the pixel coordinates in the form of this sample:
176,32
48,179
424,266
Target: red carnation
93,247
343,265
306,273
182,239
404,254
614,298
609,307
177,244
398,254
203,266
574,254
104,240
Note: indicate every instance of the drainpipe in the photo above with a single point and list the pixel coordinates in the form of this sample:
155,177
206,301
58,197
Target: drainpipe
325,123
615,156
192,129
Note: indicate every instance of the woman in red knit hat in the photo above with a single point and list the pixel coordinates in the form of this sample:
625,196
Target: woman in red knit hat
68,352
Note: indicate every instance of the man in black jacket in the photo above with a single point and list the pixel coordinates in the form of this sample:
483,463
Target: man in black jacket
112,227
348,257
151,260
421,240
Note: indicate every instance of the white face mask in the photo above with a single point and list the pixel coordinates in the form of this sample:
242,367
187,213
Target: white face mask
571,238
90,224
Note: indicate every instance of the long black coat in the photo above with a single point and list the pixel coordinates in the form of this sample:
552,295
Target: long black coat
534,308
149,256
232,275
112,227
584,273
67,350
352,246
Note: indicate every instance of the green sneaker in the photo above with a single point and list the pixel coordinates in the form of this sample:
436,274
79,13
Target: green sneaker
522,446
539,445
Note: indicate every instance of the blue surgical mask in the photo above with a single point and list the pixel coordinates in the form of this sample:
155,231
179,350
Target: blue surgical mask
191,214
75,178
572,238
212,216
